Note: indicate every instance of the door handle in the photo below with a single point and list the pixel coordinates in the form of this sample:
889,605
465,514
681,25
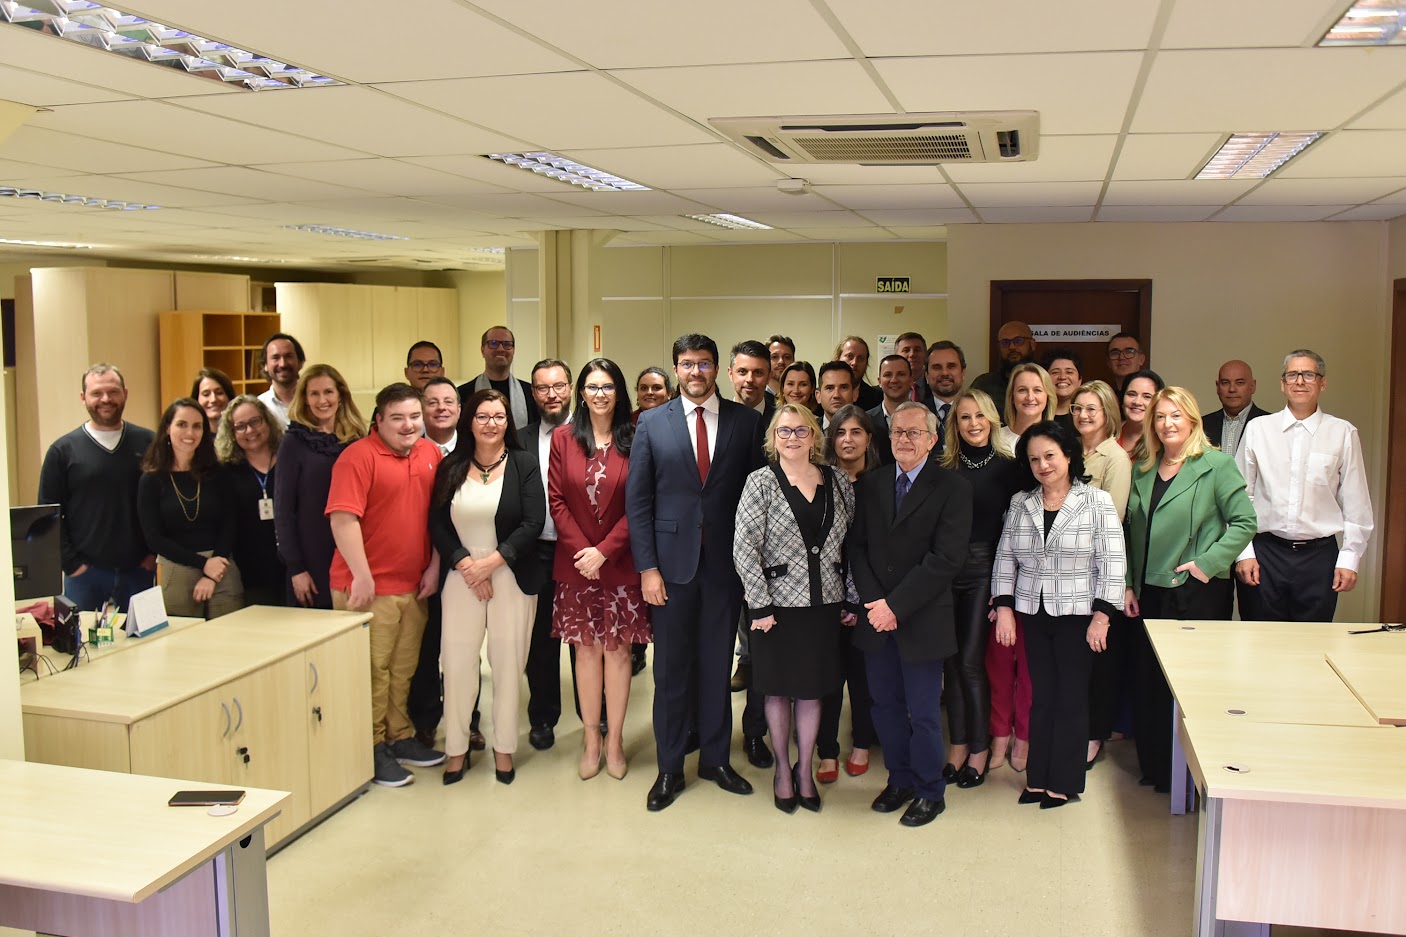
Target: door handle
314,677
317,711
225,707
240,708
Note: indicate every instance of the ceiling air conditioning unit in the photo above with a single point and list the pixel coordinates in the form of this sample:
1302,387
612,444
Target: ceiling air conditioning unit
890,139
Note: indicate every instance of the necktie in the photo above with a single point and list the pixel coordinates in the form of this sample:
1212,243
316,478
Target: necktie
702,434
900,491
942,415
914,395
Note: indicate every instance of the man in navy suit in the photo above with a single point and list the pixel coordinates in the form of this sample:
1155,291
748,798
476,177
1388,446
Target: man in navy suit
688,463
1235,386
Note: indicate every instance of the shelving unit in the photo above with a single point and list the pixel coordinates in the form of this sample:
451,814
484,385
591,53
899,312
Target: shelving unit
229,341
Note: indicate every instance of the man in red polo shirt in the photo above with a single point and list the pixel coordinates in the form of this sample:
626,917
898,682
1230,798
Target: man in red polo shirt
379,505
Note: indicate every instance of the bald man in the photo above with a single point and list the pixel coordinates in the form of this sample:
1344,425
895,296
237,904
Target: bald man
1016,345
1235,386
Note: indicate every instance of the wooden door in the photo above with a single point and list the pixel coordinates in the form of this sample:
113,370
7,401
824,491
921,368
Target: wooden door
337,707
266,704
1393,603
1126,304
190,740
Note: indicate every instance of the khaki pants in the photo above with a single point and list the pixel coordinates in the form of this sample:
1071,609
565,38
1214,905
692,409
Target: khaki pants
397,624
178,587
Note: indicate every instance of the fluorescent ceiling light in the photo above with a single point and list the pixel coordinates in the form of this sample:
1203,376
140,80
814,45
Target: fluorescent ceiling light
131,36
1255,155
345,232
23,243
1369,23
9,191
568,170
735,222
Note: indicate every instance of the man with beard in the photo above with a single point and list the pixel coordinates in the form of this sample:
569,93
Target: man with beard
551,389
91,474
946,370
499,347
282,361
1017,346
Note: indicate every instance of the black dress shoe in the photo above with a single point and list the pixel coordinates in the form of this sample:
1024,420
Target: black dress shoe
968,776
758,755
1049,803
425,737
741,677
477,742
505,777
726,778
785,804
922,811
454,777
542,737
811,803
891,799
666,788
637,661
1030,797
950,773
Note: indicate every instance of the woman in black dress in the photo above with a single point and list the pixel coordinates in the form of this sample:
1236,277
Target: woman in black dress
247,444
788,548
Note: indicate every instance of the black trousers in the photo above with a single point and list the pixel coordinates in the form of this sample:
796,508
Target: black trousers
967,692
544,653
1107,678
694,634
754,713
1152,704
861,704
1058,655
1296,581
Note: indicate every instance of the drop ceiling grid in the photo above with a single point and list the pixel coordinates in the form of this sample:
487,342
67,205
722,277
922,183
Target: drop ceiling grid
40,90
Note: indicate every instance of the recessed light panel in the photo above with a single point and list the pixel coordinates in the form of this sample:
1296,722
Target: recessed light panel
1255,155
345,232
111,30
569,171
9,191
1369,23
735,222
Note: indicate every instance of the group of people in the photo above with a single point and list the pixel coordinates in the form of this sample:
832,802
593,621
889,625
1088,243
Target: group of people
924,541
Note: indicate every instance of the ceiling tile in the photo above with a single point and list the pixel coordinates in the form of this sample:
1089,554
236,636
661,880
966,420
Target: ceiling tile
1279,212
667,237
835,174
1156,213
631,203
497,174
861,197
250,183
40,90
47,147
1165,155
845,234
126,190
1178,192
1214,24
811,219
921,233
519,205
1036,215
1349,153
1324,191
628,33
709,165
14,169
922,27
1229,90
1075,93
575,110
1377,212
393,177
775,89
754,198
1389,115
920,217
1045,194
1061,159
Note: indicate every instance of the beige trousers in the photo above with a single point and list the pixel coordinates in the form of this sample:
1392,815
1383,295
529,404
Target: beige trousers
507,620
397,624
178,585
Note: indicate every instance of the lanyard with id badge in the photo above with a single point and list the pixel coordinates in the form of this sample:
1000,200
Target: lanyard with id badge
265,502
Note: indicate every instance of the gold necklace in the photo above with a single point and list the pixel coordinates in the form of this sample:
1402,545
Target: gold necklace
182,500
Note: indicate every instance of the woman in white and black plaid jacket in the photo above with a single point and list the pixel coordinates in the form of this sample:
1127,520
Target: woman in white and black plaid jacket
788,548
1060,565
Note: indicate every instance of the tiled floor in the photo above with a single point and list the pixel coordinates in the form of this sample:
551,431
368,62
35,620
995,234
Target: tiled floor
553,855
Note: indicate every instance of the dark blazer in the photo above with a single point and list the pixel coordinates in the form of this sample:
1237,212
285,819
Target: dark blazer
870,396
883,443
577,525
911,559
305,460
665,501
1214,424
522,510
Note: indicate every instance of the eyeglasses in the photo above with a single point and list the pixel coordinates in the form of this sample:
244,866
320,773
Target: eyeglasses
497,419
786,432
911,435
1300,377
1124,354
505,343
1090,409
560,387
249,427
1019,342
702,367
599,390
426,365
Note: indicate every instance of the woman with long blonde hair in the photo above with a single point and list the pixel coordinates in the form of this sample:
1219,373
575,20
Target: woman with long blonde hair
1030,398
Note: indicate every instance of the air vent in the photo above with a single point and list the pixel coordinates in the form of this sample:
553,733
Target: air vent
890,140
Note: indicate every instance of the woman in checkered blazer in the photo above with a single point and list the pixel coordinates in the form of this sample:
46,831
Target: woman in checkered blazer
1060,565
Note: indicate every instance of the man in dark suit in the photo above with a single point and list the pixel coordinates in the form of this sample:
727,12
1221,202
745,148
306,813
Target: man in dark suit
914,350
688,463
835,387
909,541
896,381
1235,386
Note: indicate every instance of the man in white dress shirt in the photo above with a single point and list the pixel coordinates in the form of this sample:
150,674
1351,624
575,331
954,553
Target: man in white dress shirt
282,360
1304,472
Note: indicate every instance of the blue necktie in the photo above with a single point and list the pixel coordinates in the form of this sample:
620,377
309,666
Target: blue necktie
900,490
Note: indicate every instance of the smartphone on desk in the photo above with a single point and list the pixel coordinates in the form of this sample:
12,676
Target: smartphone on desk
205,798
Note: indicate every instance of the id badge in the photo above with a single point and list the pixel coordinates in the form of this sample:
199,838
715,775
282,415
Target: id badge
265,509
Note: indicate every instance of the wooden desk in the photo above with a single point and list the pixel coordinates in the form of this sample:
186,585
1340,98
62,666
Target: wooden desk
120,642
89,852
1375,678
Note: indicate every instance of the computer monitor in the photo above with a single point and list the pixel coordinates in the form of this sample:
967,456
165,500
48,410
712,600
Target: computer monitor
38,558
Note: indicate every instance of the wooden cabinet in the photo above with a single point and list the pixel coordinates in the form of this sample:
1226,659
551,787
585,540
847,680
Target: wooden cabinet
230,341
338,720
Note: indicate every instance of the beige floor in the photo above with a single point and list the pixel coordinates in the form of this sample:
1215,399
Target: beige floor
552,855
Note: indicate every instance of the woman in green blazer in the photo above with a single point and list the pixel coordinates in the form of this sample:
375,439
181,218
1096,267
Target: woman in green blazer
1188,519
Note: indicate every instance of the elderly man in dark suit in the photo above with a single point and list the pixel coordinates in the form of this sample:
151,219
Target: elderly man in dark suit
907,545
1235,386
688,463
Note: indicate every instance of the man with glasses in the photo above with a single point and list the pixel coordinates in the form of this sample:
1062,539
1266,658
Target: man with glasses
1016,344
1304,472
498,347
423,363
1125,356
551,390
688,463
1235,386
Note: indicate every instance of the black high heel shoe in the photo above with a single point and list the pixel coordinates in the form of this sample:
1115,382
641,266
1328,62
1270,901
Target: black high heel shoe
454,777
786,804
811,803
969,778
504,777
951,772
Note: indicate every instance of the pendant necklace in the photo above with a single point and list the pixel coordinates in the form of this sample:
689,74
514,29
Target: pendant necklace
486,471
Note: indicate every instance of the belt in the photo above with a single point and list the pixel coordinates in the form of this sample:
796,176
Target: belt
1302,544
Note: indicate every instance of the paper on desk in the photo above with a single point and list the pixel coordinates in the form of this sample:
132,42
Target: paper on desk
146,612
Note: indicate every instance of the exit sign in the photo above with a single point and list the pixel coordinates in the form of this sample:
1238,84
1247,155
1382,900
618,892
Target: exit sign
894,285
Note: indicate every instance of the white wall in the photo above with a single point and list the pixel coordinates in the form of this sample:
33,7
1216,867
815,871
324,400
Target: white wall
1396,248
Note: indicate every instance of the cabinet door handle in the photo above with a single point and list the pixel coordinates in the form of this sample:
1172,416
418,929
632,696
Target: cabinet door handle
225,707
241,714
314,677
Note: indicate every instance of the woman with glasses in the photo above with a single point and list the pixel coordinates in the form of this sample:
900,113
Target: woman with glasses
488,509
247,445
798,386
599,607
323,420
213,390
788,548
1030,398
1136,396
